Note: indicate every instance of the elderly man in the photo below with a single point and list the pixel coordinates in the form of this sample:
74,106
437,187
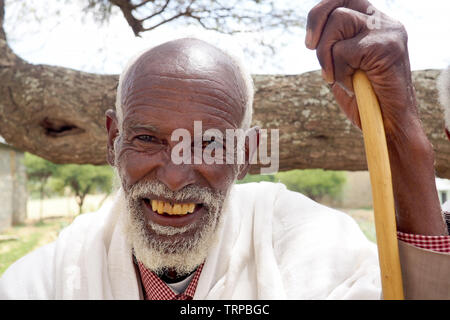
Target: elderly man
185,230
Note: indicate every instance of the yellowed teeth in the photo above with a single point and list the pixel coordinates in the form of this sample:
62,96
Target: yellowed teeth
177,209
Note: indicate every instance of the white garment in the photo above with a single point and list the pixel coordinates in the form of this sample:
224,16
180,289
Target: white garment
274,244
446,206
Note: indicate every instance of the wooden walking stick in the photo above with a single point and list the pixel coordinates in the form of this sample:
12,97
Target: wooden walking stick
381,180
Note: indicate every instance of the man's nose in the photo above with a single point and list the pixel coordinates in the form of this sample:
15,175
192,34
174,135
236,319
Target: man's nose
176,177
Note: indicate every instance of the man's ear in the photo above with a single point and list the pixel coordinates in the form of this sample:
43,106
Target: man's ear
251,148
113,132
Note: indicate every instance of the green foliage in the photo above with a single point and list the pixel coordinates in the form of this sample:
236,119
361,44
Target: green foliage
38,168
38,172
82,180
47,177
257,178
314,183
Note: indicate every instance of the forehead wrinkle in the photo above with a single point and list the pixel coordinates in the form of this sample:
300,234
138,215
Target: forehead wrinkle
131,123
131,87
138,122
203,109
141,98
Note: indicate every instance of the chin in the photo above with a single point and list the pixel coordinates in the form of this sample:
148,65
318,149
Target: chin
182,248
161,247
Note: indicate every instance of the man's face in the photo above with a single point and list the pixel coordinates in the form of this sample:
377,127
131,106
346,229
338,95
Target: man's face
175,208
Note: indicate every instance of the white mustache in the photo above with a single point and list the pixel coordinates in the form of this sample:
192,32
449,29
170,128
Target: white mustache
190,193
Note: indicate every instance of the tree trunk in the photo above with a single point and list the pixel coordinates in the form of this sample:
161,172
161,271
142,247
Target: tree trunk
58,114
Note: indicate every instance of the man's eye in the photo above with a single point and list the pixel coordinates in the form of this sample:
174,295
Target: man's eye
146,138
212,141
206,143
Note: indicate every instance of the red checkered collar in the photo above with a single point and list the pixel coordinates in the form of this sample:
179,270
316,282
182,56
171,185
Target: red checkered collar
156,289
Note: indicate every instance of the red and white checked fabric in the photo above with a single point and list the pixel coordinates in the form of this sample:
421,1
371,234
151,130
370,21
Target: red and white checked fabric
156,289
434,243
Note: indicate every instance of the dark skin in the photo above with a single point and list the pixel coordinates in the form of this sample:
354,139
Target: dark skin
339,31
177,83
169,88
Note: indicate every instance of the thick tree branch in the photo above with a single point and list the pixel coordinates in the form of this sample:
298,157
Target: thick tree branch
127,10
59,114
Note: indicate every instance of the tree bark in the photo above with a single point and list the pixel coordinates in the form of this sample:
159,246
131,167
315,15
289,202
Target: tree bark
59,114
314,132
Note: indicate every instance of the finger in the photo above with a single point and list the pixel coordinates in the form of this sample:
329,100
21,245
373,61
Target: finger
347,103
318,16
342,24
346,60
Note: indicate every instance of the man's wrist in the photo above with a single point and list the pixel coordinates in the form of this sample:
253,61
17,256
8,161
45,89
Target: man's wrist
412,165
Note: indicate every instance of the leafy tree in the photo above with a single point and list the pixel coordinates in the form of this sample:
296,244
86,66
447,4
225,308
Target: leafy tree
314,183
38,172
82,180
256,178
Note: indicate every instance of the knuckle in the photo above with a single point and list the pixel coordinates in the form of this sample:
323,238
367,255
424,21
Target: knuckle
402,32
396,43
340,14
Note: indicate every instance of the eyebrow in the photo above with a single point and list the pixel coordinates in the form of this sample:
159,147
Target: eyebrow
142,126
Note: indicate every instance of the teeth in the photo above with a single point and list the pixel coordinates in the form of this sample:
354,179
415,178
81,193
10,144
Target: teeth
154,205
177,209
160,208
167,208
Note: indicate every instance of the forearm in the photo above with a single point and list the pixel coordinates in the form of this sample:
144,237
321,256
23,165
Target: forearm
416,200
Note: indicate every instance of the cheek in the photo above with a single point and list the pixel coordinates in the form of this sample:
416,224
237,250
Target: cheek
219,177
134,166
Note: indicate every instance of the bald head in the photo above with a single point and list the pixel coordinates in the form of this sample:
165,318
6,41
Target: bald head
195,63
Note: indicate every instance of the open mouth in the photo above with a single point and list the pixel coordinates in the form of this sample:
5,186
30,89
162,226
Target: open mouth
171,209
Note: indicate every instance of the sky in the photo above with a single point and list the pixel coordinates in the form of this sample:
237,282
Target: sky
62,35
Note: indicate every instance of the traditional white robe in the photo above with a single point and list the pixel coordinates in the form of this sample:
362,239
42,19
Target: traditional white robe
273,244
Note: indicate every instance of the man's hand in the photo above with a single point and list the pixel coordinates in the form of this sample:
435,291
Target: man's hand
349,35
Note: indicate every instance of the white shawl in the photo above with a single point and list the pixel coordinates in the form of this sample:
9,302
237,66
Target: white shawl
273,244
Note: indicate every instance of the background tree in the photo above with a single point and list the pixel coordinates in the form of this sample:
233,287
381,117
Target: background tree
314,183
38,172
83,180
58,113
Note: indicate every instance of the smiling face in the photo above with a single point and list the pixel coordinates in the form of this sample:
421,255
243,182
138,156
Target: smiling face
174,210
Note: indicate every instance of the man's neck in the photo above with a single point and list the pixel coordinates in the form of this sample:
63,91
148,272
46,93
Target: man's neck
171,276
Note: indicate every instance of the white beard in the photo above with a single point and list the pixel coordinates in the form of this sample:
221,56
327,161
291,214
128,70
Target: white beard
188,249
